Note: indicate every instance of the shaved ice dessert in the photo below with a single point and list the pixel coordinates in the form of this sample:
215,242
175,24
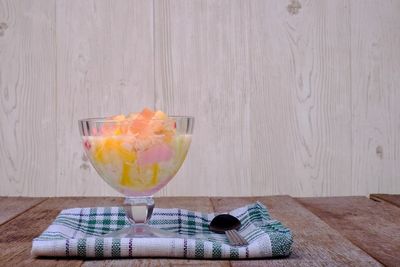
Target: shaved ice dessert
136,154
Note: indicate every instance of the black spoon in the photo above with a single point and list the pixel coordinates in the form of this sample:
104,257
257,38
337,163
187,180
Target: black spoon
227,224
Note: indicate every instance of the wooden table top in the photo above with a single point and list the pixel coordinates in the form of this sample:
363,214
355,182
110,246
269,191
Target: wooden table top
338,231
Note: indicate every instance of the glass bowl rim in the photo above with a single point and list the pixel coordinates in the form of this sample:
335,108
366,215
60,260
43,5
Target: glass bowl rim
108,120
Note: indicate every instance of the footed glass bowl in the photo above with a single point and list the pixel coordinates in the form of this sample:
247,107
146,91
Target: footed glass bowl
137,157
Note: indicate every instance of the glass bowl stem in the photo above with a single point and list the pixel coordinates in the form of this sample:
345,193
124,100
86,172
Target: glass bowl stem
139,209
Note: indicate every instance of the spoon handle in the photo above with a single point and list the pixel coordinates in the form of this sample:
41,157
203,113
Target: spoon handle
235,238
230,237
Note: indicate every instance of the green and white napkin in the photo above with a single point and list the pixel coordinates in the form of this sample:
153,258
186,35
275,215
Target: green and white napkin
78,233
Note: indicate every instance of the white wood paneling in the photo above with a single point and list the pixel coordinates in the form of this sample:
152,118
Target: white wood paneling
375,58
294,97
104,67
300,98
27,97
272,94
201,62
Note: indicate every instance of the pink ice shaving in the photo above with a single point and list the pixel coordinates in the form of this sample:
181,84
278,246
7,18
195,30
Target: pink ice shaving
155,154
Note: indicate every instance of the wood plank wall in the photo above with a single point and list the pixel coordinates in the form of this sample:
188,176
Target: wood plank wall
290,97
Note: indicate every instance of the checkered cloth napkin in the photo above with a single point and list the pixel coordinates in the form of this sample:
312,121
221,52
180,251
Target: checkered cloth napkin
78,233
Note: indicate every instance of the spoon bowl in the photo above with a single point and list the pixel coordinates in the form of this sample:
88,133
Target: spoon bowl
224,222
228,224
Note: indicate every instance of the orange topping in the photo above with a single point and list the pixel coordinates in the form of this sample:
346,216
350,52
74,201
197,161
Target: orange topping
143,125
147,114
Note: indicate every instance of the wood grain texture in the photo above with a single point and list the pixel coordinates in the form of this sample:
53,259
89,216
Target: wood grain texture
295,97
375,42
392,199
11,207
22,229
201,60
372,226
284,130
300,103
156,263
104,67
315,243
27,97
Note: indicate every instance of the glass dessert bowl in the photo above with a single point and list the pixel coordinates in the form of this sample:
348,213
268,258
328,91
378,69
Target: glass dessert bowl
137,155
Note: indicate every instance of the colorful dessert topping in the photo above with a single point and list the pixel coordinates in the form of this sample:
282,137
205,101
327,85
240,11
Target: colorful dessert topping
137,153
